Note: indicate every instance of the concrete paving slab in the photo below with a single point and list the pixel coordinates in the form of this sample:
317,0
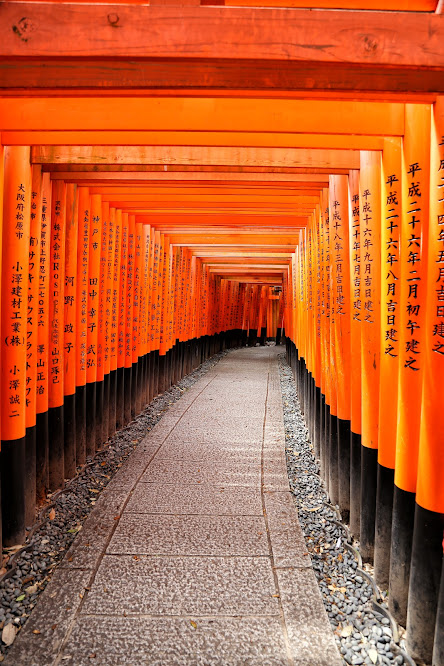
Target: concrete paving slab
182,586
215,473
287,540
90,544
234,453
195,500
190,535
176,642
303,608
208,435
51,619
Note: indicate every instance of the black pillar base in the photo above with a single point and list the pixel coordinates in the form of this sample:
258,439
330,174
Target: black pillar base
327,446
369,477
344,467
134,382
99,414
69,457
317,431
333,484
383,525
140,372
127,398
30,475
425,578
438,646
90,419
56,447
155,372
120,399
401,552
355,484
13,491
161,374
80,425
112,402
106,399
322,442
42,456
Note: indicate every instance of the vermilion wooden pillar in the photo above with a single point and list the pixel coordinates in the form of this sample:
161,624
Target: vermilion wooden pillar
70,325
370,238
340,260
84,211
31,344
390,321
356,291
412,294
42,354
56,337
427,553
15,260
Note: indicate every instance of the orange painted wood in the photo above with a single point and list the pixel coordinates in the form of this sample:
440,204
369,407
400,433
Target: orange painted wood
56,294
370,239
16,231
235,178
430,488
198,155
109,287
42,355
103,319
71,292
33,296
122,289
84,213
304,116
116,216
94,268
412,291
354,37
340,258
129,296
171,138
138,277
390,302
283,78
356,305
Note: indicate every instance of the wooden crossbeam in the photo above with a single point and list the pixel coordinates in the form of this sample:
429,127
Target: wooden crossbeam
209,114
220,47
331,160
170,138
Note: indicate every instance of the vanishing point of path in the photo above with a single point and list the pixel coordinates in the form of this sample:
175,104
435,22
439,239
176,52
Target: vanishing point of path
193,554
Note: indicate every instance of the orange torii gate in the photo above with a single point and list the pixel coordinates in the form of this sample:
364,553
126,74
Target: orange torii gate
164,204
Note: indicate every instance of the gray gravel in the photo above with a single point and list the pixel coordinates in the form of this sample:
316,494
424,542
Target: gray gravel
363,635
62,519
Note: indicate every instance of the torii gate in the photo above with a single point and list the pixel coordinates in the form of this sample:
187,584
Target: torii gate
235,143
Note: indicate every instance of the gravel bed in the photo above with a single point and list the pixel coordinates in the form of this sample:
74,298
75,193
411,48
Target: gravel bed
363,635
62,519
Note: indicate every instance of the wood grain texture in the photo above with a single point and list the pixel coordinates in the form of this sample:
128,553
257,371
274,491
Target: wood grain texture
264,157
204,47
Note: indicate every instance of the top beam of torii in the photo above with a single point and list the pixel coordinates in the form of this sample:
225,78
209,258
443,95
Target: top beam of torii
219,47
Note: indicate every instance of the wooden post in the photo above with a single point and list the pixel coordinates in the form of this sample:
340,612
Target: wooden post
412,293
56,335
426,561
355,351
370,238
390,317
16,232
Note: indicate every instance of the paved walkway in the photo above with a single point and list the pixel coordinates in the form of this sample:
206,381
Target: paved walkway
193,554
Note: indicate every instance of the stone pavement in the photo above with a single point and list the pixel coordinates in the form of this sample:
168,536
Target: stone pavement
193,554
